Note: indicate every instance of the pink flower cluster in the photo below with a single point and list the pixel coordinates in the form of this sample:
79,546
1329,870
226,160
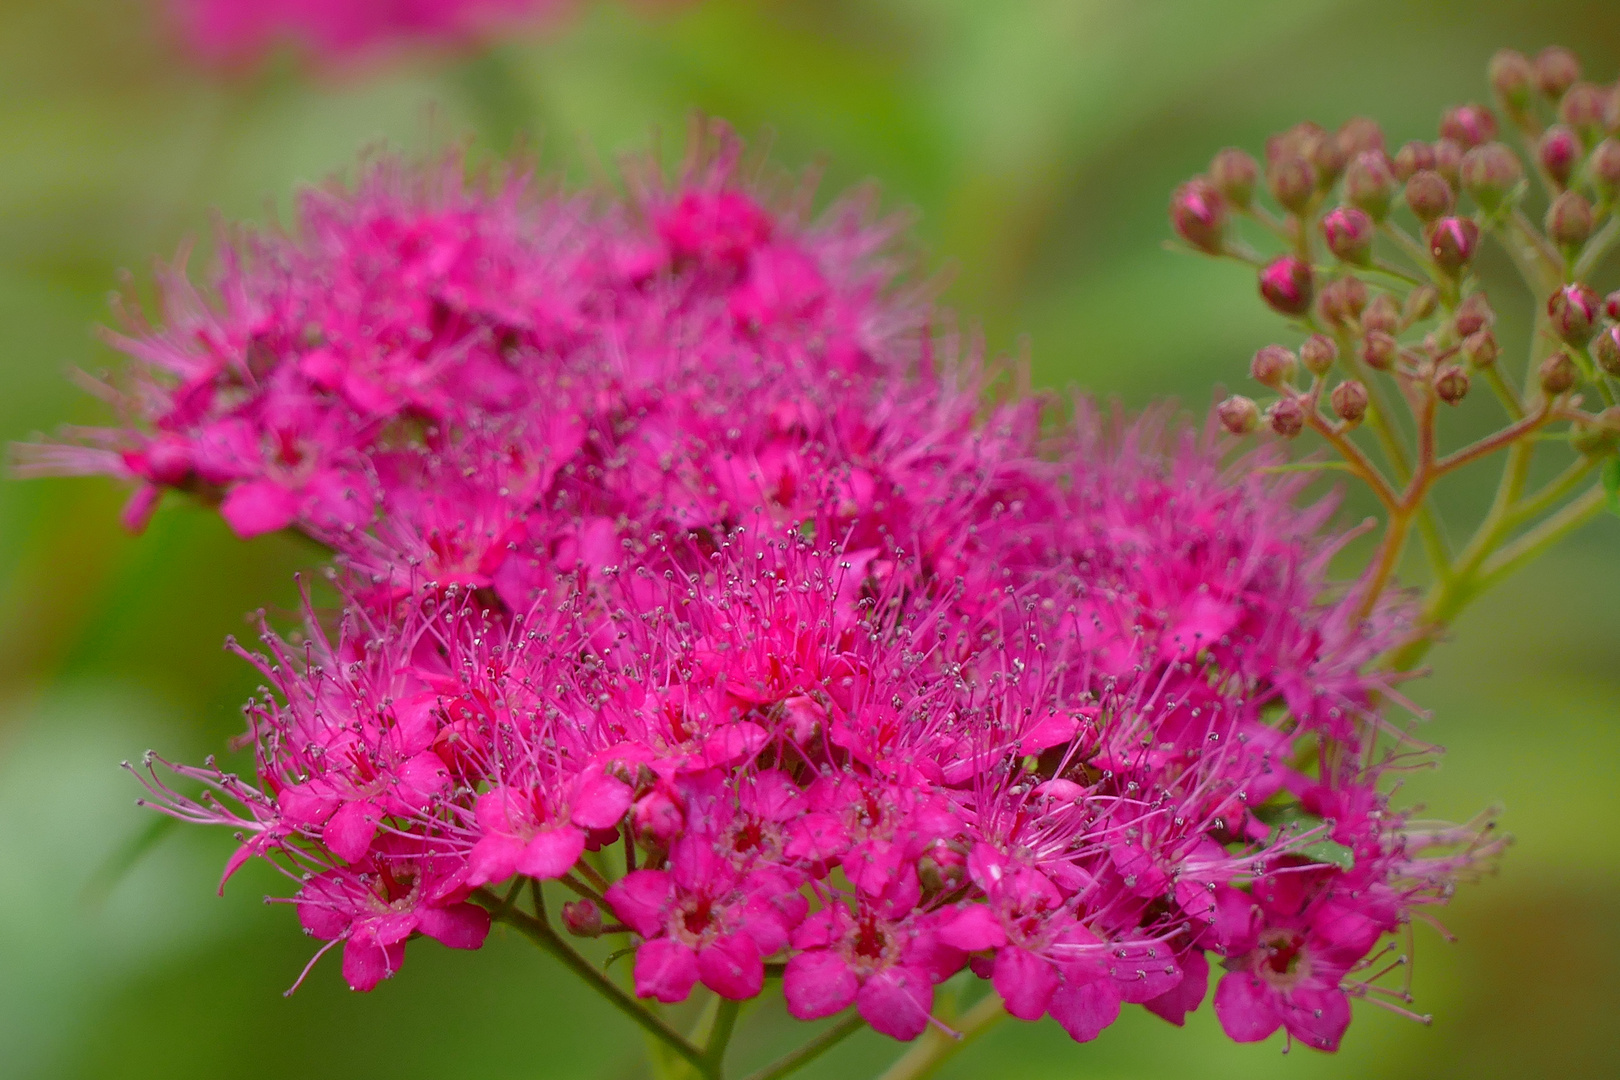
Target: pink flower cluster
235,30
684,565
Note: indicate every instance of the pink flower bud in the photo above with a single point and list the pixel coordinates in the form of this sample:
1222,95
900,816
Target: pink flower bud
1369,183
1412,158
1318,354
1379,349
1573,310
1606,350
1479,348
1447,158
1286,417
1292,182
1272,366
1343,301
582,918
1556,71
1473,315
1559,152
1583,107
1452,242
1451,384
1360,135
1198,214
1349,232
1611,305
1557,374
1349,401
1468,125
1569,220
1604,168
1287,285
1381,314
1488,173
1428,195
1420,304
1513,79
1238,414
1234,173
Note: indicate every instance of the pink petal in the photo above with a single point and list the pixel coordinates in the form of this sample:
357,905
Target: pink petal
258,506
349,832
1246,1007
1024,981
639,899
666,970
1318,1018
366,963
600,802
420,779
971,928
896,1002
1085,1009
1174,1005
731,967
818,984
458,926
552,853
494,858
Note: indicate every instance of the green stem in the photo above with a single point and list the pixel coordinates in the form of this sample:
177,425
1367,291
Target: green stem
725,1022
1597,248
544,936
1542,537
934,1048
811,1050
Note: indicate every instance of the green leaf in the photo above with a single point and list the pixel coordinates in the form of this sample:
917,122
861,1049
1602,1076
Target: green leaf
1307,466
1330,852
1611,483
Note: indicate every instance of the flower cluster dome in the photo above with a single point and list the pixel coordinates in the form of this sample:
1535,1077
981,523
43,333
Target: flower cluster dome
684,563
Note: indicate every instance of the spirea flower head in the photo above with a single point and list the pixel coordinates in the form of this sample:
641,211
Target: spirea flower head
682,563
233,31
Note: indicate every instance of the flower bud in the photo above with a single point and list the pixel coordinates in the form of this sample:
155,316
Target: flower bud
1381,316
1479,348
1569,220
1272,366
1287,285
1318,354
1328,157
1611,305
1369,183
1513,79
1604,168
1238,414
1473,315
1556,71
1297,141
1488,173
1286,417
1349,401
1468,125
1557,374
1573,310
1451,384
1447,157
1234,173
1292,182
1360,135
1420,304
1379,349
1343,301
1428,195
1412,158
1606,350
1199,215
582,918
1349,232
1559,152
1452,242
1583,108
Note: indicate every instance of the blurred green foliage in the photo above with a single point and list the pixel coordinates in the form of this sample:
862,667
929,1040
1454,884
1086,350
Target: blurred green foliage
1039,140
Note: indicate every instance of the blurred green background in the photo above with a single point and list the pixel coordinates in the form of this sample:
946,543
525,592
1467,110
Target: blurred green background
1038,139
